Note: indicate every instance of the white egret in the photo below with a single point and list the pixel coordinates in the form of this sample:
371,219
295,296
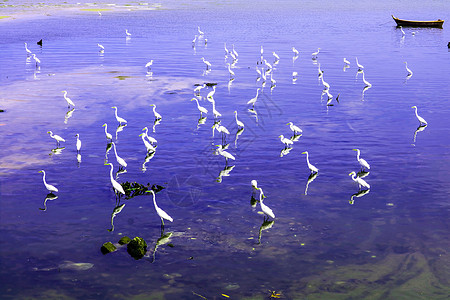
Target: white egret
294,75
69,102
108,135
149,64
287,142
78,142
360,181
200,108
295,51
220,128
148,146
272,81
234,51
268,65
226,49
101,48
215,112
56,137
119,119
368,84
194,41
161,213
253,100
230,71
326,86
37,60
407,69
119,159
199,31
207,63
360,67
276,55
312,168
239,123
315,54
211,93
199,88
117,186
225,154
157,115
27,50
362,161
401,29
49,187
266,210
294,128
319,70
127,33
233,56
258,71
150,139
346,61
254,184
421,120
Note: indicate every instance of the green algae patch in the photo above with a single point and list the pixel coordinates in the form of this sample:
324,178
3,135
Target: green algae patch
4,17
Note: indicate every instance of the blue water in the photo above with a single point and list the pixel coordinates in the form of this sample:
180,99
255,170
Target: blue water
392,242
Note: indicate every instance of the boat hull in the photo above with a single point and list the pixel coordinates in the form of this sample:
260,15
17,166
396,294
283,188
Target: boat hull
437,23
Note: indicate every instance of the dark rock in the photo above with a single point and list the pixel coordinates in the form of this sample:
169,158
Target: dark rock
108,247
124,240
137,248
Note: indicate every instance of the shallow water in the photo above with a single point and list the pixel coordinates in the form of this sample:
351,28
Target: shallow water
391,242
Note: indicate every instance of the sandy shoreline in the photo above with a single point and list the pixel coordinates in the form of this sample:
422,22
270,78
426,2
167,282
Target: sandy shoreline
10,13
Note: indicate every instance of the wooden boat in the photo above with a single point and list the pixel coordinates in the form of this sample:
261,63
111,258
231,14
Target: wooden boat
438,23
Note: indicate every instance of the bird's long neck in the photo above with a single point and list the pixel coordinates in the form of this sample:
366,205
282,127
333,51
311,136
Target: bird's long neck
115,152
115,112
154,200
415,109
111,172
357,155
43,178
106,127
354,176
235,115
307,158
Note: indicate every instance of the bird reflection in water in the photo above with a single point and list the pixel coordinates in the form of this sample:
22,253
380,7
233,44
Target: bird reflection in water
156,123
162,240
57,151
225,173
358,195
267,224
238,133
419,129
68,115
117,209
311,178
108,148
50,197
148,157
119,129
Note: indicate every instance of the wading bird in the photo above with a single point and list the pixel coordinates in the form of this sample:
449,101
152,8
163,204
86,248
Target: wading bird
294,128
69,102
49,187
421,120
117,186
78,142
239,123
200,108
119,159
362,161
266,210
119,119
287,142
315,54
407,69
361,182
157,115
207,63
108,135
161,213
56,137
312,168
